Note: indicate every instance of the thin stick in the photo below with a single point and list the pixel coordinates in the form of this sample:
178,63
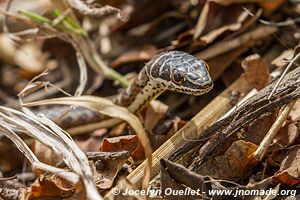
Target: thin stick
283,74
264,145
288,22
4,22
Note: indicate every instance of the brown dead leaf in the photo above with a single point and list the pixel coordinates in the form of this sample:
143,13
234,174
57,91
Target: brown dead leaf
286,135
228,2
11,158
92,142
271,5
259,128
44,154
106,169
295,112
237,162
215,21
207,13
283,59
178,177
129,143
154,113
290,167
140,55
34,57
7,48
50,186
289,133
256,71
211,36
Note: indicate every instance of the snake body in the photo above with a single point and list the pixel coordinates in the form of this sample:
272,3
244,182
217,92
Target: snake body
175,70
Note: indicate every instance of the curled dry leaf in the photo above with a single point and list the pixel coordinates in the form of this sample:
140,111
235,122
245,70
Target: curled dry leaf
283,59
228,2
91,142
289,170
213,13
106,169
176,176
154,113
11,160
129,143
256,71
289,132
259,128
34,57
295,112
107,107
7,48
271,5
44,154
141,55
50,186
237,162
286,135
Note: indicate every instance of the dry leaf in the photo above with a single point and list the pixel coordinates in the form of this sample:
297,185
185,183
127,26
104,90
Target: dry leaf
256,71
129,143
106,169
215,19
141,55
235,163
154,113
286,135
259,128
295,112
178,177
228,2
47,186
283,59
290,167
30,57
271,5
7,48
91,142
44,154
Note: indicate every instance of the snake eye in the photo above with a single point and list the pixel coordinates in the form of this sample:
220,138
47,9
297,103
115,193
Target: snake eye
177,77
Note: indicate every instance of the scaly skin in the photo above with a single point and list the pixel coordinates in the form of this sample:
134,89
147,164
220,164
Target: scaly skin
175,70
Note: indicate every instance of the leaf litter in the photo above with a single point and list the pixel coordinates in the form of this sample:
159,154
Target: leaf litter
257,38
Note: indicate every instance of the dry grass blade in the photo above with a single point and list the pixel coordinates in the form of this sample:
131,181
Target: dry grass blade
7,130
107,107
263,147
48,133
83,74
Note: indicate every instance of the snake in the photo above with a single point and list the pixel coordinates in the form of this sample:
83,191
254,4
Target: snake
174,70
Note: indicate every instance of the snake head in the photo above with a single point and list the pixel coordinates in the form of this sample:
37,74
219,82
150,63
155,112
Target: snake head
181,72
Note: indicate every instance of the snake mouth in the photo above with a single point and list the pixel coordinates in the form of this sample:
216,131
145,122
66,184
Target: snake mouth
208,86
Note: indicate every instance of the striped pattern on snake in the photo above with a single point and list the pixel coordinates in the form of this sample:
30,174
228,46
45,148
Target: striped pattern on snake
175,70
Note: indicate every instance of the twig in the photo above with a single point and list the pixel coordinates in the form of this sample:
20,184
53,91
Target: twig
84,9
283,74
268,23
4,22
263,147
